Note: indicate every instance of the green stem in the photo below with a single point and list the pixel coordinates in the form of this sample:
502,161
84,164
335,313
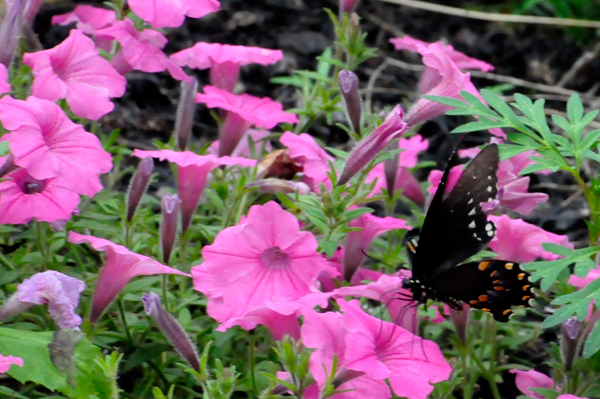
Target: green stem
252,362
41,239
124,321
183,263
165,283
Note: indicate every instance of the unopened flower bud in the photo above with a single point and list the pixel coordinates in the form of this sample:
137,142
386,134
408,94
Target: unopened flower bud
348,82
273,186
11,29
348,5
571,330
168,229
185,113
392,128
460,320
138,185
346,375
8,165
171,329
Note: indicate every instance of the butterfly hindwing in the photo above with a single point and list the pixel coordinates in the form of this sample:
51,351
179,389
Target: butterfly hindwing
456,227
490,285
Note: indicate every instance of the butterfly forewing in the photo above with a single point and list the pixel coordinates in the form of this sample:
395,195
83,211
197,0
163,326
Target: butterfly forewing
456,227
490,285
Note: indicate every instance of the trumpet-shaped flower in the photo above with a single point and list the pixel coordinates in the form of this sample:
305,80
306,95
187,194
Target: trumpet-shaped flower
258,136
141,51
314,161
367,149
193,172
383,350
74,70
224,60
23,198
265,260
532,379
519,241
89,19
4,85
7,361
59,291
49,145
171,13
244,111
120,267
581,282
359,242
325,332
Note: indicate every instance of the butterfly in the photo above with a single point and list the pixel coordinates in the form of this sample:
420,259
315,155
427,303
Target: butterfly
456,228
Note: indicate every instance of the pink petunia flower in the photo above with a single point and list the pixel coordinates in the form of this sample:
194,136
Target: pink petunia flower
519,241
532,379
581,282
258,137
367,149
387,290
121,265
430,77
141,51
4,85
89,20
7,361
171,13
49,145
359,242
263,261
244,111
193,172
23,198
310,156
325,332
224,60
383,350
58,290
74,70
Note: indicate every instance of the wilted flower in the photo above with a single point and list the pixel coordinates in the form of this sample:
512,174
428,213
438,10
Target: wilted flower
532,379
306,154
367,149
59,291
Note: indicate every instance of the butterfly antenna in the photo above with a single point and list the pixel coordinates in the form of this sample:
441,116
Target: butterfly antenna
375,260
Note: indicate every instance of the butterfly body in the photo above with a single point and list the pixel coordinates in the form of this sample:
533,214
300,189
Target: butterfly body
456,228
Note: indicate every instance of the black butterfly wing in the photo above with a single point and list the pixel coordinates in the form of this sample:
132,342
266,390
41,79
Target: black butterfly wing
493,286
456,228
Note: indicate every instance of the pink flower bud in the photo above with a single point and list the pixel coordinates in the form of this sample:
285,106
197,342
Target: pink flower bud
168,231
171,328
571,331
138,185
392,128
348,5
185,113
348,82
11,28
8,165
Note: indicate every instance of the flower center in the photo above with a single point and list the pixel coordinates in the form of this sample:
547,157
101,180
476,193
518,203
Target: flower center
275,258
33,186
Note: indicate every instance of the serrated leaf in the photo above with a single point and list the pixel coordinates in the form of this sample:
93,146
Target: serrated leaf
561,314
144,353
524,140
354,214
591,155
509,150
562,122
592,343
452,102
479,125
590,139
500,106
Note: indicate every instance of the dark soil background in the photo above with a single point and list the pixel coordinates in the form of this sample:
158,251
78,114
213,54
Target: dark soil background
535,53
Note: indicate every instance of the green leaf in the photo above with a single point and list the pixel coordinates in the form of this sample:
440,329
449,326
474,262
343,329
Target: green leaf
11,393
509,150
496,103
591,155
329,247
574,109
523,140
592,343
338,153
590,139
548,271
452,102
354,214
144,353
479,125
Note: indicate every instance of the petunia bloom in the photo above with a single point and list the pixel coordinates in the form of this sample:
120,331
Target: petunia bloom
325,332
171,13
367,149
58,290
383,350
193,172
7,361
306,153
263,261
581,282
519,241
89,19
74,70
224,60
430,77
4,85
23,198
121,265
49,145
141,51
532,379
359,242
244,111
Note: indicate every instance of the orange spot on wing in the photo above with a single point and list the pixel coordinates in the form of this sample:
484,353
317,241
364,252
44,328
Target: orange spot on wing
483,265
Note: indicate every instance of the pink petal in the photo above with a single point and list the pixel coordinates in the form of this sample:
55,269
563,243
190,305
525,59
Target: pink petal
7,361
532,379
4,86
